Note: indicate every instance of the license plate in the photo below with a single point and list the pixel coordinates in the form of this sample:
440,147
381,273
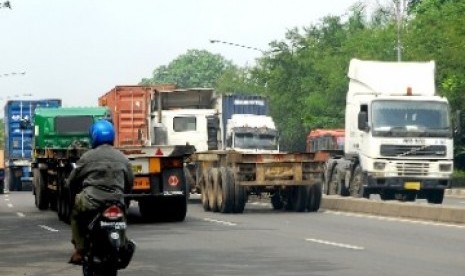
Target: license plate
141,183
412,185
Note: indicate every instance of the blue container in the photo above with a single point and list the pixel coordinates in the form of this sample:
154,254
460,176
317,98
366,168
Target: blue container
242,104
19,134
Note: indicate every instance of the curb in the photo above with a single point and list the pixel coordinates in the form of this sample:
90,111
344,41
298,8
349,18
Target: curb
436,213
455,192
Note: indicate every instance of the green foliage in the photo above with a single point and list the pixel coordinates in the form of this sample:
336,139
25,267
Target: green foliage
196,68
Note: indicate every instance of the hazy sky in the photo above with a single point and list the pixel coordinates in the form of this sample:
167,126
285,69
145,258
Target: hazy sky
77,50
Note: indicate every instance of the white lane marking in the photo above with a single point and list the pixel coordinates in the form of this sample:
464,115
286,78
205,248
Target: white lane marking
423,222
7,199
10,205
462,202
21,215
348,246
48,228
220,221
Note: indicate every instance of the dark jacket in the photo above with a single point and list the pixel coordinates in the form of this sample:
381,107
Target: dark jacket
104,173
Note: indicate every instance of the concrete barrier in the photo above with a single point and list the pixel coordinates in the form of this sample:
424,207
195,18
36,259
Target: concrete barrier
437,213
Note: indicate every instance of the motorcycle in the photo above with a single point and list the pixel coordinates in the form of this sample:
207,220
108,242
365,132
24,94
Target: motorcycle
107,249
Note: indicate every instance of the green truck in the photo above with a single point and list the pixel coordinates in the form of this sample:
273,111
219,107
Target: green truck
62,136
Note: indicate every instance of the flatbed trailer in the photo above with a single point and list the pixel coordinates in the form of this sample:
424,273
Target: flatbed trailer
226,178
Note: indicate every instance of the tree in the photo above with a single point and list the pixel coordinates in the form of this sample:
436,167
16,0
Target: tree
196,68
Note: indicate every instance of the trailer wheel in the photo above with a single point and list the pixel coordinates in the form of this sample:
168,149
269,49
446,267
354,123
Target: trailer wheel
204,191
40,189
356,188
227,188
314,198
297,200
212,184
240,197
435,196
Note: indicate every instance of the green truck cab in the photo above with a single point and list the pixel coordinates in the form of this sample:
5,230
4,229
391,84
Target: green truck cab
61,136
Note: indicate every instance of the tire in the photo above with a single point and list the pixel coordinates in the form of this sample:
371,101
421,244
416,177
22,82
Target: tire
176,208
314,198
204,192
148,210
40,189
356,188
435,196
2,187
212,187
240,197
277,201
227,188
297,200
387,195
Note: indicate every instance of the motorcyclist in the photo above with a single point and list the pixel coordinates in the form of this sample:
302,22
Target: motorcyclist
101,174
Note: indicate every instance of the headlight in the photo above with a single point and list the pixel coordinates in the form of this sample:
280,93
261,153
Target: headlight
445,167
379,166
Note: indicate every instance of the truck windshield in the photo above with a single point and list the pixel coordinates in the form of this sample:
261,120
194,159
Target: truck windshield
73,124
410,119
255,141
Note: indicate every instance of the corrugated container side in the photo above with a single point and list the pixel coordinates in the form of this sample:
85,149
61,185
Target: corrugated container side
242,104
130,110
18,141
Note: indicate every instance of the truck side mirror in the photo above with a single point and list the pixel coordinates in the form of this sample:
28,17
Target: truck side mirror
363,121
458,124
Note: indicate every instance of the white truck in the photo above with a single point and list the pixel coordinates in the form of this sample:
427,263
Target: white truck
398,134
237,150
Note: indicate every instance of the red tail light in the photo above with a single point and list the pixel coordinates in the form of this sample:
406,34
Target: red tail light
113,212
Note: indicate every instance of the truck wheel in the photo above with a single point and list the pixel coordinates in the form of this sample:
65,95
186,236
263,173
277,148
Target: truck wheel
435,196
356,188
297,200
2,187
40,190
227,188
147,209
212,187
240,197
314,198
387,195
176,208
277,201
204,191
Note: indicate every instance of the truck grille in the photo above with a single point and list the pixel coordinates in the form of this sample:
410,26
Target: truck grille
413,150
412,169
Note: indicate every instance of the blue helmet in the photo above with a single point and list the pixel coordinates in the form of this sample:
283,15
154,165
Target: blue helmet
102,132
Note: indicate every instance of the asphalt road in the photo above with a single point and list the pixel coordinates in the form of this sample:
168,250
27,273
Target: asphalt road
259,242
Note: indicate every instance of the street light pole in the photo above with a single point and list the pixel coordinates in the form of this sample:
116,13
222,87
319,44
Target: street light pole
237,45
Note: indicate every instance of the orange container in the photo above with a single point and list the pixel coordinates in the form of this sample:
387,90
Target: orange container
130,108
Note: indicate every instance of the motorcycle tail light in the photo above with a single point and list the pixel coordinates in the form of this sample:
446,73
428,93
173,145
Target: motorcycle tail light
113,212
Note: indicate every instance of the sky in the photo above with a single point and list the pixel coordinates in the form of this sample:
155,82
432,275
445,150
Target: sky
79,50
